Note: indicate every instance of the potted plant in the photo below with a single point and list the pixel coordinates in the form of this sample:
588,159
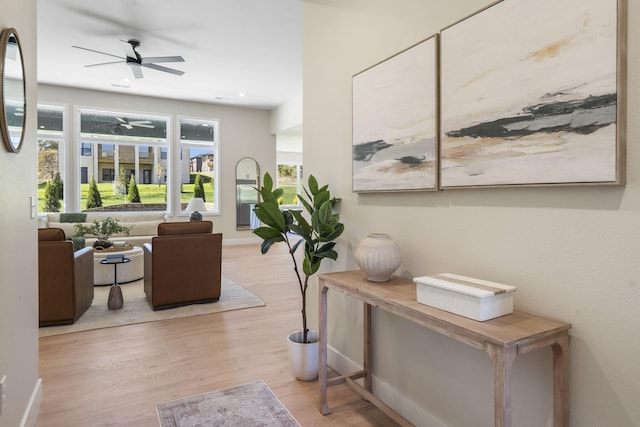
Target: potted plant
315,235
102,230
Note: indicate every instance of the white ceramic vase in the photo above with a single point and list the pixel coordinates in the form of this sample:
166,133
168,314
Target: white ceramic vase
304,357
378,256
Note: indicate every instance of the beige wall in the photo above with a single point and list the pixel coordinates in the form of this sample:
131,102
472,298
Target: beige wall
18,250
244,132
574,253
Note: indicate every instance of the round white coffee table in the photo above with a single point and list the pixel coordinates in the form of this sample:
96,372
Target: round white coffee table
129,272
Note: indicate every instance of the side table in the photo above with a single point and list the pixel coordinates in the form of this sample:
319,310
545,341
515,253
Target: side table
115,300
503,339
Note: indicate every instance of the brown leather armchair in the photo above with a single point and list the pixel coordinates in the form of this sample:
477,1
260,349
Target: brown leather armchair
65,278
183,265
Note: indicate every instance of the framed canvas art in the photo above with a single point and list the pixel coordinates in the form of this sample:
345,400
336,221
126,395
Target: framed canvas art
395,137
532,93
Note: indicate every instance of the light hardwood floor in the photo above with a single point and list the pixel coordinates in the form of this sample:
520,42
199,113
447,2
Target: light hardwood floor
117,376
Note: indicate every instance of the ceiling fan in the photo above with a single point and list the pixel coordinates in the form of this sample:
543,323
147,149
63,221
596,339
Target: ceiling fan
136,61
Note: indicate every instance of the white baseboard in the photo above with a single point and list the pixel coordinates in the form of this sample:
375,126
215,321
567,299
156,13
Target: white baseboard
389,395
31,414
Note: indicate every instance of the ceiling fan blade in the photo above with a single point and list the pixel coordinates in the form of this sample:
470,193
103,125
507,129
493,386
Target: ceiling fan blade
137,71
104,63
142,125
152,59
97,51
121,120
165,69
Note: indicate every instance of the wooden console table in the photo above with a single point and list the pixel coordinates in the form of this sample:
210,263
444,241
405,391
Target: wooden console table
503,339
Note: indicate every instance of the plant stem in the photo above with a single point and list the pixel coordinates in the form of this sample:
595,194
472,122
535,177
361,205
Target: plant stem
303,290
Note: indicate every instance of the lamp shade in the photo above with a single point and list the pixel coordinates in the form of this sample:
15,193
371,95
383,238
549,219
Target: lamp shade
196,204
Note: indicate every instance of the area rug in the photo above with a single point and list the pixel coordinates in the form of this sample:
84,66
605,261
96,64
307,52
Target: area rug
137,310
248,405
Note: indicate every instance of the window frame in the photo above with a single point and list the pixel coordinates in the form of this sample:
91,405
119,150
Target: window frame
61,137
196,143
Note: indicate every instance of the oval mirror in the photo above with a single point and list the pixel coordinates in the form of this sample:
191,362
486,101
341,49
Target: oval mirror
12,91
247,180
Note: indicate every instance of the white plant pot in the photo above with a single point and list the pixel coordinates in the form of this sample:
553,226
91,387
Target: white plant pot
304,357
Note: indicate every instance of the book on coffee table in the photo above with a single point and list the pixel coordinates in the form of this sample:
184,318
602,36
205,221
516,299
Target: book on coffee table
113,259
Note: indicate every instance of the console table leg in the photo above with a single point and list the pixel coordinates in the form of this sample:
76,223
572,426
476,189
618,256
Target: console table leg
561,382
367,347
322,329
503,359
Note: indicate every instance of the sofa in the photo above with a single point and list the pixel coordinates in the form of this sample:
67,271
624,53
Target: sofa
144,225
183,265
65,278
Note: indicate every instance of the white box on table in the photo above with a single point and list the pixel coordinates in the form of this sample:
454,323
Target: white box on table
466,296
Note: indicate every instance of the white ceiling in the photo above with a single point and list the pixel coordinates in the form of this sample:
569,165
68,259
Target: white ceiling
229,46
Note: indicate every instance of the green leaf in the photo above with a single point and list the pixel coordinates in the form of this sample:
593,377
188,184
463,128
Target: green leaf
296,245
305,203
267,182
313,184
266,244
310,268
337,231
270,214
268,233
320,198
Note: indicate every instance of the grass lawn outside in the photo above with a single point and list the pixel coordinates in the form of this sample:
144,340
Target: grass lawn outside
289,197
149,193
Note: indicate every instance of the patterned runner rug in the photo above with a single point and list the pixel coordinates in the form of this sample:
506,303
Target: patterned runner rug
248,405
137,310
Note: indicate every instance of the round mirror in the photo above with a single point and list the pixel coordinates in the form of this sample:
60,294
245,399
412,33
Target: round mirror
247,180
12,91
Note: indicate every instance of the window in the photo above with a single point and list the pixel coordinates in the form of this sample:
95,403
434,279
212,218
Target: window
50,159
290,178
85,149
120,146
108,175
199,161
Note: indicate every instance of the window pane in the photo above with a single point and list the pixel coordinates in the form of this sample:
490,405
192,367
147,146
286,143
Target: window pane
117,147
289,181
50,119
113,166
198,162
94,124
197,130
85,149
50,185
50,162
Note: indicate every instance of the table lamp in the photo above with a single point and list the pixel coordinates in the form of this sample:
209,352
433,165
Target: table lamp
195,205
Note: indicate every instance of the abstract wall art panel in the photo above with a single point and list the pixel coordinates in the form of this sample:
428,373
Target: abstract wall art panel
395,145
532,93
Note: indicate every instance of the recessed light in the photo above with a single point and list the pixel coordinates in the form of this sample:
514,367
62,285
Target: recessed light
242,94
